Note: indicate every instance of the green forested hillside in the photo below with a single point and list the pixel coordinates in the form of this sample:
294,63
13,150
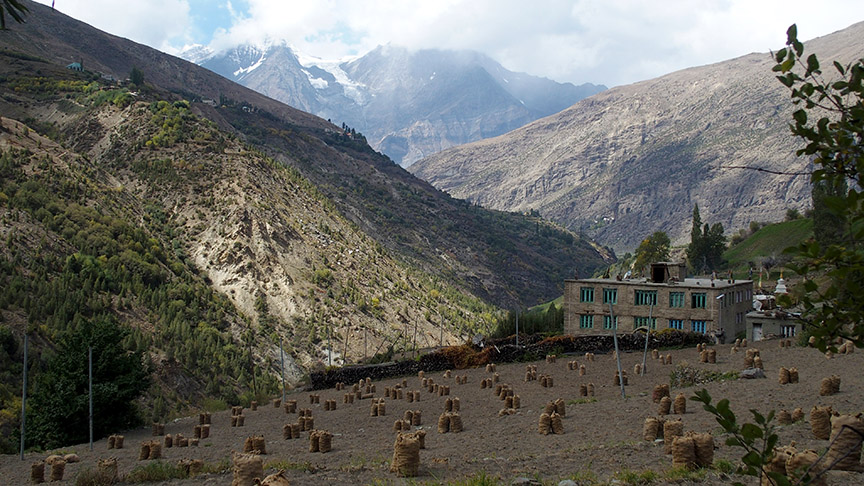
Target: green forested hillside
766,245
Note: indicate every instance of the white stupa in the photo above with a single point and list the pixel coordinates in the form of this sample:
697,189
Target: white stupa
781,286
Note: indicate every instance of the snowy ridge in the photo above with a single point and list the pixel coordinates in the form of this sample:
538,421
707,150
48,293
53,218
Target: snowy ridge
358,92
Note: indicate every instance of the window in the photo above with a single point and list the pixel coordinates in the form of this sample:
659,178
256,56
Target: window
676,299
646,297
698,300
676,324
787,331
697,326
587,294
607,322
649,322
610,296
586,322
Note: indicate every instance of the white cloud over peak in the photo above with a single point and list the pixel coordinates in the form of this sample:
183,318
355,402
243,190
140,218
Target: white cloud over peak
603,41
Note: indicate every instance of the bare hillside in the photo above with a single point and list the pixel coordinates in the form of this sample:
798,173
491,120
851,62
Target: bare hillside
634,159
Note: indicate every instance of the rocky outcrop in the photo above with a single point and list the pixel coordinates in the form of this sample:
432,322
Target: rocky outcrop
634,159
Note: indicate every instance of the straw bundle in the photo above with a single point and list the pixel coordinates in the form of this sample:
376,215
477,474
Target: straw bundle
783,376
846,434
668,359
820,422
703,356
155,450
798,464
590,389
287,432
447,374
712,356
757,362
659,392
680,404
583,390
118,440
737,343
253,405
144,452
108,469
455,423
444,423
168,441
277,402
797,414
829,386
325,441
582,370
259,445
37,472
417,418
246,468
784,417
544,425
744,343
777,464
652,429
560,407
406,456
71,458
556,423
241,420
793,375
57,470
655,354
665,406
111,442
421,437
637,369
158,428
291,406
516,401
684,452
671,429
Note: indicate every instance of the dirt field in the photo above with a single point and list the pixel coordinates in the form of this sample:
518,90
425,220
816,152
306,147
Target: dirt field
601,437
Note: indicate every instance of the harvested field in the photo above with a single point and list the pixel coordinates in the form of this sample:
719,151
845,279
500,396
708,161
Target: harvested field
602,434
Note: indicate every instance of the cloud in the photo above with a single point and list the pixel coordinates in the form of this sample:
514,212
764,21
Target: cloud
603,41
161,24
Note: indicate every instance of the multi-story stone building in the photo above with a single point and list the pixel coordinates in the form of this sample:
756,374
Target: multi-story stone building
665,300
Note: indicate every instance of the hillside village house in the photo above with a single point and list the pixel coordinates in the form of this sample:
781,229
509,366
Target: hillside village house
667,299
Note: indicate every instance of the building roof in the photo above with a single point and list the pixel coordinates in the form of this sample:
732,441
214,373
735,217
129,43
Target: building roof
689,283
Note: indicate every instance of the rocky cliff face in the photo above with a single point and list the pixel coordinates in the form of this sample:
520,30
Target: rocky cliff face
634,159
408,104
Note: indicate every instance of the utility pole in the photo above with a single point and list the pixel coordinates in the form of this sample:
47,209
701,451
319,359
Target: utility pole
647,332
282,367
617,353
90,376
517,328
24,399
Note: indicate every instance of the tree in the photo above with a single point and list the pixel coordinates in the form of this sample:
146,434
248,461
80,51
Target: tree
829,225
59,407
830,121
136,77
707,243
655,248
15,9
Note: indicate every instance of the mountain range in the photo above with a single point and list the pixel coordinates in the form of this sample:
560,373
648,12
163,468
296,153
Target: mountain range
409,104
214,223
635,159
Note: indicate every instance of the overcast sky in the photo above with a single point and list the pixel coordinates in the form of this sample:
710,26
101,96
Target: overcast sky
609,42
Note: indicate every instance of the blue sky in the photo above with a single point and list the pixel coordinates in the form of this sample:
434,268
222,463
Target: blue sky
608,42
